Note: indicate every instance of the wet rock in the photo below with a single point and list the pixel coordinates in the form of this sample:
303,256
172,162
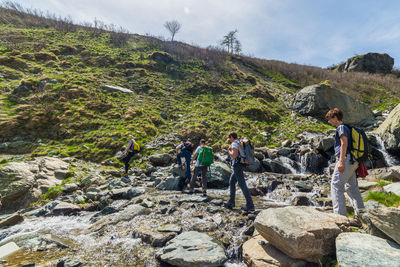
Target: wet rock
357,249
301,201
11,220
392,188
160,159
303,187
191,249
68,263
127,192
274,166
386,220
8,249
259,252
64,208
254,167
220,174
389,131
43,210
154,238
301,232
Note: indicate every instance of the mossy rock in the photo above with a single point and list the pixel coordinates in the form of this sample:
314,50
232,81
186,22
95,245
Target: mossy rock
161,57
259,114
13,62
260,92
251,79
45,56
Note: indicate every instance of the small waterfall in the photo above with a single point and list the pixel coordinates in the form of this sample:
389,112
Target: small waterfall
289,164
389,160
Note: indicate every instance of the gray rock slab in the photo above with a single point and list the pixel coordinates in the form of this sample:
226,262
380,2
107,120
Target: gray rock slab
64,208
357,249
387,220
11,220
364,184
392,188
192,249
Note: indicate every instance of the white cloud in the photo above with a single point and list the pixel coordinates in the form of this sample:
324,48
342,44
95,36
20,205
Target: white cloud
186,10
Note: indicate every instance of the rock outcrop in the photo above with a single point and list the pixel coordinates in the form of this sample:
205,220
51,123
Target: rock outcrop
389,131
316,100
370,62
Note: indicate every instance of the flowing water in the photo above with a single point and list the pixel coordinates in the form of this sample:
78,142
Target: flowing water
389,160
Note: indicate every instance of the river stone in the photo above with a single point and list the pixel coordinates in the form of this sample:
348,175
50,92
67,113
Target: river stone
8,249
301,232
389,131
171,183
389,173
194,199
43,210
192,249
220,174
274,166
170,228
387,220
64,208
160,159
254,167
392,188
113,88
152,237
11,220
357,249
317,99
258,252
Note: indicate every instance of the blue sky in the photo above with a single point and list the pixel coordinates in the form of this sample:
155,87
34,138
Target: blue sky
311,32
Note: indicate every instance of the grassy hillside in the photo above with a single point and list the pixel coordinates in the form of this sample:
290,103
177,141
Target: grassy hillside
52,101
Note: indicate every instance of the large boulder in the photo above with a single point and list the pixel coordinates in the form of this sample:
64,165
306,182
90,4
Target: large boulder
389,131
219,176
21,183
160,159
258,252
301,232
357,249
316,100
392,188
191,249
387,173
370,62
386,220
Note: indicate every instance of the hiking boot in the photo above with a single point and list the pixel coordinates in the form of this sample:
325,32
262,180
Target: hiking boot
247,209
229,206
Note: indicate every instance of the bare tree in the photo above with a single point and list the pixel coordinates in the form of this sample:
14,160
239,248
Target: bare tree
173,27
232,43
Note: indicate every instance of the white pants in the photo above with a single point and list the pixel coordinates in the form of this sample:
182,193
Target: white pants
345,182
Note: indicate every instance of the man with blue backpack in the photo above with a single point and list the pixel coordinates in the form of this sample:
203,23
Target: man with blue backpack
204,158
186,150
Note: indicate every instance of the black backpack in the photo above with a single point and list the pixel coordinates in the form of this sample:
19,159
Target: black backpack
188,147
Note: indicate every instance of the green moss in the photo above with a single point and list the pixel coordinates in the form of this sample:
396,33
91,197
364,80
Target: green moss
382,183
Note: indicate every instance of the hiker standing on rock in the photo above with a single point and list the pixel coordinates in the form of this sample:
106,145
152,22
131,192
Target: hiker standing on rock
198,167
131,149
186,149
237,175
344,175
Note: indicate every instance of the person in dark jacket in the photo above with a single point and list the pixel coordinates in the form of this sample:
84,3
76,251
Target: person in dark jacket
186,150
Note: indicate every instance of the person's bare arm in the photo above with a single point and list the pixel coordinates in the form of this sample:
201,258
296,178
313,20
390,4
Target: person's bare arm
343,150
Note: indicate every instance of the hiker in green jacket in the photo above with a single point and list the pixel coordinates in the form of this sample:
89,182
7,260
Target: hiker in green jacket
198,168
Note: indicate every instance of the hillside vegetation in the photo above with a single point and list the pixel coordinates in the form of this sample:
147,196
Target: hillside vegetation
52,100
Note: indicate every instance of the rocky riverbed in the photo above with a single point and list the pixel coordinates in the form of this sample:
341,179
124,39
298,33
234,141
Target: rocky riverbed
95,216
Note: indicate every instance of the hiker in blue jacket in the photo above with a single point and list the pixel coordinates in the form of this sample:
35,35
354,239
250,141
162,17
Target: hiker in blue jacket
237,175
186,150
344,175
129,152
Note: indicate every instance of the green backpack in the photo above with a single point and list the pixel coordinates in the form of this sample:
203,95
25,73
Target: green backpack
206,156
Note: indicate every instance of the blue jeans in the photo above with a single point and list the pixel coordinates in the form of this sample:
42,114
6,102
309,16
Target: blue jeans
238,177
188,156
